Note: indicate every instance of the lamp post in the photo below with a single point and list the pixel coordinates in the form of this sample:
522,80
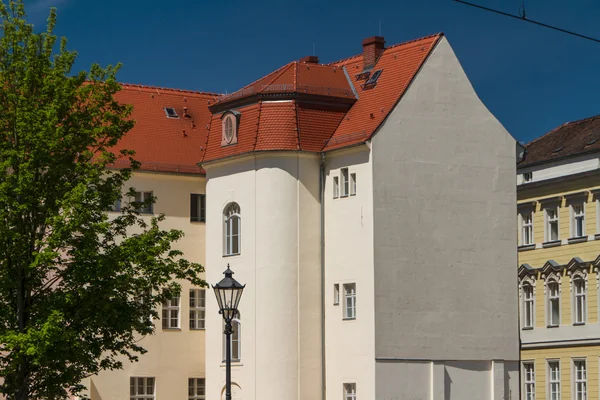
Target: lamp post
228,292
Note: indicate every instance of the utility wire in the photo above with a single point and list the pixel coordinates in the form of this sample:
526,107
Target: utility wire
523,18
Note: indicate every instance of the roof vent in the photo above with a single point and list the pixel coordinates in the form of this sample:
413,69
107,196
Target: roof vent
591,142
557,150
171,113
310,60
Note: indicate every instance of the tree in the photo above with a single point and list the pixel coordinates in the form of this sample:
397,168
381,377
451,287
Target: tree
76,287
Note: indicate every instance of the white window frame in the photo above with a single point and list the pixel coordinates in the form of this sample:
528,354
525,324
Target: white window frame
528,371
528,300
134,387
553,380
350,391
579,299
336,187
549,221
232,212
196,388
168,307
349,301
344,182
197,309
353,184
336,294
236,339
142,197
526,227
577,211
579,376
551,295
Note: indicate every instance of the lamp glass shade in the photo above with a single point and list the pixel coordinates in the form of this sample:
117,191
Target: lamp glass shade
228,293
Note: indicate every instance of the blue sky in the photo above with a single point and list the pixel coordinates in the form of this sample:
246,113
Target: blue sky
531,78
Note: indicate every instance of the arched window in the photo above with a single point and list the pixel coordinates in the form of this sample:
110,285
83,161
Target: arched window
553,290
236,339
579,299
232,230
528,305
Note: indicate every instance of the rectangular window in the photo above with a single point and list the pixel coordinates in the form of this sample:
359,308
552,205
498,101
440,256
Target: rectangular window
196,389
352,184
141,197
553,303
116,206
526,228
336,187
197,207
141,388
336,294
580,379
578,220
554,380
529,381
349,300
197,308
551,224
528,305
170,313
580,300
349,391
345,182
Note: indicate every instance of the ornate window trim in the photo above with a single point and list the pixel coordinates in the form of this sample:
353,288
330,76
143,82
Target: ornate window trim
229,128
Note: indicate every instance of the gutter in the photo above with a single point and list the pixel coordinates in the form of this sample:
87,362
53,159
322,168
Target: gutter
322,195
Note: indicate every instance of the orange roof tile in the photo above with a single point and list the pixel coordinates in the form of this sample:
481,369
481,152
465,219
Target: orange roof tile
161,143
277,128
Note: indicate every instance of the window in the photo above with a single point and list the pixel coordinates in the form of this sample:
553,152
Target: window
236,339
146,198
579,291
349,391
580,379
352,184
196,389
336,187
171,113
197,310
554,380
141,388
336,294
345,182
526,228
528,305
232,230
116,206
229,126
527,176
529,380
553,303
350,301
170,313
551,224
578,220
198,207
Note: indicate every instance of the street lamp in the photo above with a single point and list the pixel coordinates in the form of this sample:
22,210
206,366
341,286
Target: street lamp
228,292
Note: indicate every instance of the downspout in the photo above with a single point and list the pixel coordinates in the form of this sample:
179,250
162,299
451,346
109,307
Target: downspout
322,195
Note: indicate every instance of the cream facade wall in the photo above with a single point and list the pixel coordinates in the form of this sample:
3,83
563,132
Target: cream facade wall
350,344
278,195
174,355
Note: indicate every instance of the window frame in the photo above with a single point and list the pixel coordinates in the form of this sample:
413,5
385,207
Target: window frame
528,323
349,299
576,379
549,221
527,226
353,184
198,207
194,386
196,309
336,294
143,196
550,284
349,390
575,215
575,280
528,380
133,383
336,187
169,307
554,384
344,182
231,212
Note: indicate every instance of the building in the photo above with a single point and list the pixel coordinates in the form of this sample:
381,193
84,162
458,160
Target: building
559,258
367,204
171,126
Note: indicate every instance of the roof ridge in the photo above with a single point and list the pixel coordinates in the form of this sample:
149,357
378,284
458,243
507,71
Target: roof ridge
281,71
578,121
125,85
390,47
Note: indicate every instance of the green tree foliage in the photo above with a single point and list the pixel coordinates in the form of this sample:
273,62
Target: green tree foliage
76,287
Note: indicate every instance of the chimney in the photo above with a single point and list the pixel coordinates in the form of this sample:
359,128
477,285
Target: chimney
310,60
372,49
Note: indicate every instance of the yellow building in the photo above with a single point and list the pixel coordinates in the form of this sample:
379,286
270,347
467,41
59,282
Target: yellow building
558,207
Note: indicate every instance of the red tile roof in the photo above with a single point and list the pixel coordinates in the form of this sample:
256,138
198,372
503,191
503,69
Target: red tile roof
569,139
161,143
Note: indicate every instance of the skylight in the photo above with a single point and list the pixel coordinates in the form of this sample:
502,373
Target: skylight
171,113
372,81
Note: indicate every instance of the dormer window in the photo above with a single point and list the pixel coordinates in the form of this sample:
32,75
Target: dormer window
230,125
171,113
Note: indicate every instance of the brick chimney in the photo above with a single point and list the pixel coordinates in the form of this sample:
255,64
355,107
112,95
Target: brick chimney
310,60
372,49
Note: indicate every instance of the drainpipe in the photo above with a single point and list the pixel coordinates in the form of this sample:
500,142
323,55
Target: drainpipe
322,189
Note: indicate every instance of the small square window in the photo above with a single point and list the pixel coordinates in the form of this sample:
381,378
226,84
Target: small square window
171,113
146,198
353,184
198,207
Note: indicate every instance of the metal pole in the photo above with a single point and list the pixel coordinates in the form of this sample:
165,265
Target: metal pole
228,360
